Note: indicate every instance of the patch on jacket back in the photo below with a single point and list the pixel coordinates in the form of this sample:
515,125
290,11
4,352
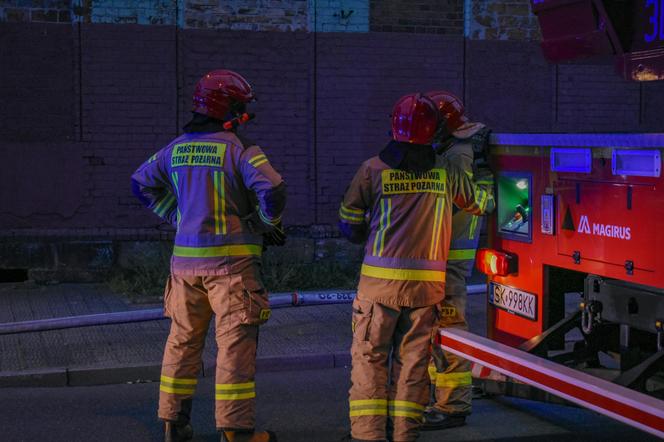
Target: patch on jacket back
399,181
198,154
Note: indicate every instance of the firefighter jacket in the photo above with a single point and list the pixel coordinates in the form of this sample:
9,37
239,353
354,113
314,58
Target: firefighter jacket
465,226
407,217
206,185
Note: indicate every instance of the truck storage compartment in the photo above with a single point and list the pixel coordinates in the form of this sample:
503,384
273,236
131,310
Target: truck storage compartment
608,222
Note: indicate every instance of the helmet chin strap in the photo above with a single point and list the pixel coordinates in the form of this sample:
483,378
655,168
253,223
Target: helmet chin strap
442,140
240,119
443,146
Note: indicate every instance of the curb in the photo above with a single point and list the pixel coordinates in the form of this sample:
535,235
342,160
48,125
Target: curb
142,373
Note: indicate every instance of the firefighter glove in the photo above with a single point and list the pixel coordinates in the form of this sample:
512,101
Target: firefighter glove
275,237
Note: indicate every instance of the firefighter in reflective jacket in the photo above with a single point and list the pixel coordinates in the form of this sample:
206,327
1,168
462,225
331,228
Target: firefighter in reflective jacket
204,183
461,143
399,204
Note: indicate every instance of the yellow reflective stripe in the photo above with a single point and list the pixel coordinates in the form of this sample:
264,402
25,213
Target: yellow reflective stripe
437,226
380,228
218,251
351,215
461,254
385,220
219,203
433,373
406,409
240,386
352,211
232,392
222,198
407,404
473,226
361,402
174,176
234,396
178,381
433,230
215,201
406,413
486,202
387,226
164,204
351,218
369,412
482,198
258,160
368,407
403,274
176,390
453,380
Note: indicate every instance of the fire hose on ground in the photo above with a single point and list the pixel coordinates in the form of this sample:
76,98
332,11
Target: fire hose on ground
278,300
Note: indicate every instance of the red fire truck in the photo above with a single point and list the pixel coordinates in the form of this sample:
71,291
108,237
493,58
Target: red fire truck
579,221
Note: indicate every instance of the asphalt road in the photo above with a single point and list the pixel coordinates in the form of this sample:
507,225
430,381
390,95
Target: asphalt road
304,406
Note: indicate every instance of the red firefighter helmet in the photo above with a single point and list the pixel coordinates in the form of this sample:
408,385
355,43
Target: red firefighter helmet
414,119
218,91
451,109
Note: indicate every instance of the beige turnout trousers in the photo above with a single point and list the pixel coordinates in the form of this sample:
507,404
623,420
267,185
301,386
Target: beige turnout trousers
240,304
377,395
451,374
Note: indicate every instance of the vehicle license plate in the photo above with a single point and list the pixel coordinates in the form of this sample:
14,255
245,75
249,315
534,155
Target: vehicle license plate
513,300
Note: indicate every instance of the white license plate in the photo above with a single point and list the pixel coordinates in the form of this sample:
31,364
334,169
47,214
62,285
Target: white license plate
513,300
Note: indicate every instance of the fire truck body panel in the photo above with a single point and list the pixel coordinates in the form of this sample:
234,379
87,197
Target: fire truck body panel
576,214
603,223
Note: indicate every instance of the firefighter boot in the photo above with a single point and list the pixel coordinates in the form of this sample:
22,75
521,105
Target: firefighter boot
180,430
437,420
247,436
349,438
175,432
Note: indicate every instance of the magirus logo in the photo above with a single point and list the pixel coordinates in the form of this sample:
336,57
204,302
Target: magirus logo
607,230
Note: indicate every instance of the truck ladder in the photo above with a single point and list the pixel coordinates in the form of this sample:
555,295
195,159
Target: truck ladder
630,407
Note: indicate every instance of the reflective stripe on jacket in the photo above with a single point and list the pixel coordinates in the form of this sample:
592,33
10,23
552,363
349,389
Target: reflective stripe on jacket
409,217
203,183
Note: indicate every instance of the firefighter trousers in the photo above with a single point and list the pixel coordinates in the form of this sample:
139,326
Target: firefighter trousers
451,374
240,305
376,395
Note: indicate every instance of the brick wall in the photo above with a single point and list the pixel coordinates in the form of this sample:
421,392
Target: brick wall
594,97
509,86
339,15
145,12
279,66
418,16
45,11
254,15
359,77
483,19
37,82
107,96
501,20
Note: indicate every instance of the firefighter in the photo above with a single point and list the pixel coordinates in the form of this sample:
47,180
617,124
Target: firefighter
205,183
462,143
399,205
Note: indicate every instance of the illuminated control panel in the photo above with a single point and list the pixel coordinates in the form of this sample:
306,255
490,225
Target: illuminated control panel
514,205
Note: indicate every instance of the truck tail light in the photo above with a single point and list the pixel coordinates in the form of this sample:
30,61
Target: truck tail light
493,262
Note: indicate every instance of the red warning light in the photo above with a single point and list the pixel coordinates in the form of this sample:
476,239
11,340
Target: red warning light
493,262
